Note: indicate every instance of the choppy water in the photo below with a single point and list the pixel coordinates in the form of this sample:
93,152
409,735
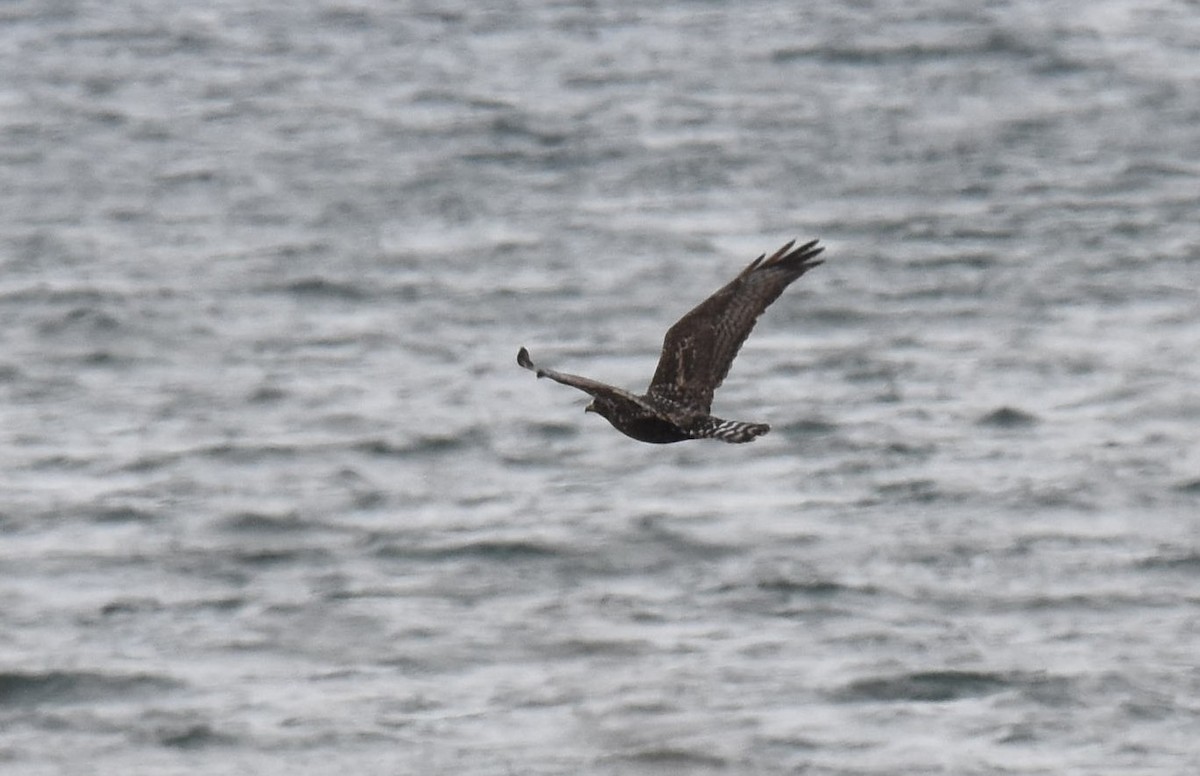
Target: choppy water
277,500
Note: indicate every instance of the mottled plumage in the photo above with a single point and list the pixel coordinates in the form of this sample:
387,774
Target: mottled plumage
697,353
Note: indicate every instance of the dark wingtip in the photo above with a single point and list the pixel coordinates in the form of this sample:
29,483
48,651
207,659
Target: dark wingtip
804,257
523,359
781,254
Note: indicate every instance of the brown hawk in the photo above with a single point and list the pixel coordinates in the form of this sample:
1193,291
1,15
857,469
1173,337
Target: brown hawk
696,355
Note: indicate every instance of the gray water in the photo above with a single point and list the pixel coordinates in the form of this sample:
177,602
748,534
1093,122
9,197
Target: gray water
276,498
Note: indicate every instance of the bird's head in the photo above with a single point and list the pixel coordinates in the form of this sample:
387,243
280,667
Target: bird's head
604,409
600,407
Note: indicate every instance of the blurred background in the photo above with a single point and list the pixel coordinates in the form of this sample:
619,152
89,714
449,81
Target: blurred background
275,497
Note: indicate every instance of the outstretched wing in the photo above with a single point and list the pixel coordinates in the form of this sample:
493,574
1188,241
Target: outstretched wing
588,386
699,349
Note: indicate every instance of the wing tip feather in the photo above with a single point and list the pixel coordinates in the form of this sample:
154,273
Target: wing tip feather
523,360
798,258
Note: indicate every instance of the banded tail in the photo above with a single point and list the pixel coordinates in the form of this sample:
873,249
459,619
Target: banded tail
732,431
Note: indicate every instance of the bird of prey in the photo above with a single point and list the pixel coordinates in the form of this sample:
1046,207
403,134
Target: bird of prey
696,355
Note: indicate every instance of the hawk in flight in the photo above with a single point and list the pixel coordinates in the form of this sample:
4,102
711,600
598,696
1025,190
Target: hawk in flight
696,355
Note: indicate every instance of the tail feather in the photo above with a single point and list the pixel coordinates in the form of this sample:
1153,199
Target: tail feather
732,431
